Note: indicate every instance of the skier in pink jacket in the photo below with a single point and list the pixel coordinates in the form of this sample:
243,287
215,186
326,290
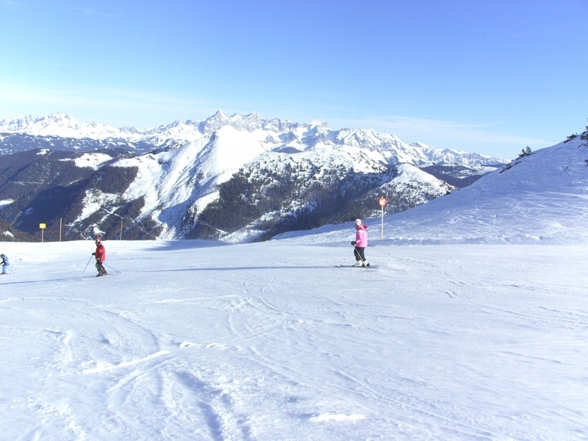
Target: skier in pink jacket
360,242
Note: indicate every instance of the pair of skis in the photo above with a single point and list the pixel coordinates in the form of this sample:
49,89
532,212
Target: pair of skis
354,266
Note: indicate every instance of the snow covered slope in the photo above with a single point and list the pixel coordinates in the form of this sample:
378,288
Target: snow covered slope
270,341
540,198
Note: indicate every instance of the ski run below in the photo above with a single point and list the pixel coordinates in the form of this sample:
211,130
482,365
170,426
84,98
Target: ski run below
190,340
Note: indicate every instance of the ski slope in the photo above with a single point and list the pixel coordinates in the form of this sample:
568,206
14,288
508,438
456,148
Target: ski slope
272,342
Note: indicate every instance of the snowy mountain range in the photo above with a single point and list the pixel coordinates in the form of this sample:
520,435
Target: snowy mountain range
233,178
279,135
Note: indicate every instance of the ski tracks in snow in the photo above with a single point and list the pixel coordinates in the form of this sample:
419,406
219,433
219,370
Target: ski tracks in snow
304,353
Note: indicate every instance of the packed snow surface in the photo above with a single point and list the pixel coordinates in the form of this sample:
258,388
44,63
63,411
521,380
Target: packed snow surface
185,341
470,325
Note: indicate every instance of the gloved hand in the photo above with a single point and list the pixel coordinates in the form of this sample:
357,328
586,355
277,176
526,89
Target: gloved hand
353,243
93,254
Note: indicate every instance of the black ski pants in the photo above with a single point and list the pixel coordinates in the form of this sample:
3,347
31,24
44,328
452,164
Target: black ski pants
359,253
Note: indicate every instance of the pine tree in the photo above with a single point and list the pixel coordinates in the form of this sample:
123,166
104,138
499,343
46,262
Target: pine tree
525,152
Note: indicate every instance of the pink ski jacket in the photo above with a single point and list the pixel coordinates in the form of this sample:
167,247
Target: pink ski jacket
361,238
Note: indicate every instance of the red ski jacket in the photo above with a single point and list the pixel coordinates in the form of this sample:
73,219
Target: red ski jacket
100,252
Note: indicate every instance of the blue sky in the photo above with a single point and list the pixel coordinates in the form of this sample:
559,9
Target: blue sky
488,76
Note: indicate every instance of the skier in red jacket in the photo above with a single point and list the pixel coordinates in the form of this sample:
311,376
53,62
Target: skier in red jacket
100,255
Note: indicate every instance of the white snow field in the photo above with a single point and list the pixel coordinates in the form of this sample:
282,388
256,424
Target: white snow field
472,325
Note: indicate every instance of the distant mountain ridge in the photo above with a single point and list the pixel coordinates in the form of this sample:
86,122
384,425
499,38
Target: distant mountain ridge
232,178
281,135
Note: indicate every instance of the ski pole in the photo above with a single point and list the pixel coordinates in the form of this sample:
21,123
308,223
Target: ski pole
8,270
377,249
87,265
113,269
356,254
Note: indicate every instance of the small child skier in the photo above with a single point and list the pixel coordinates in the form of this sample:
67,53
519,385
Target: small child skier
100,255
360,242
5,263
